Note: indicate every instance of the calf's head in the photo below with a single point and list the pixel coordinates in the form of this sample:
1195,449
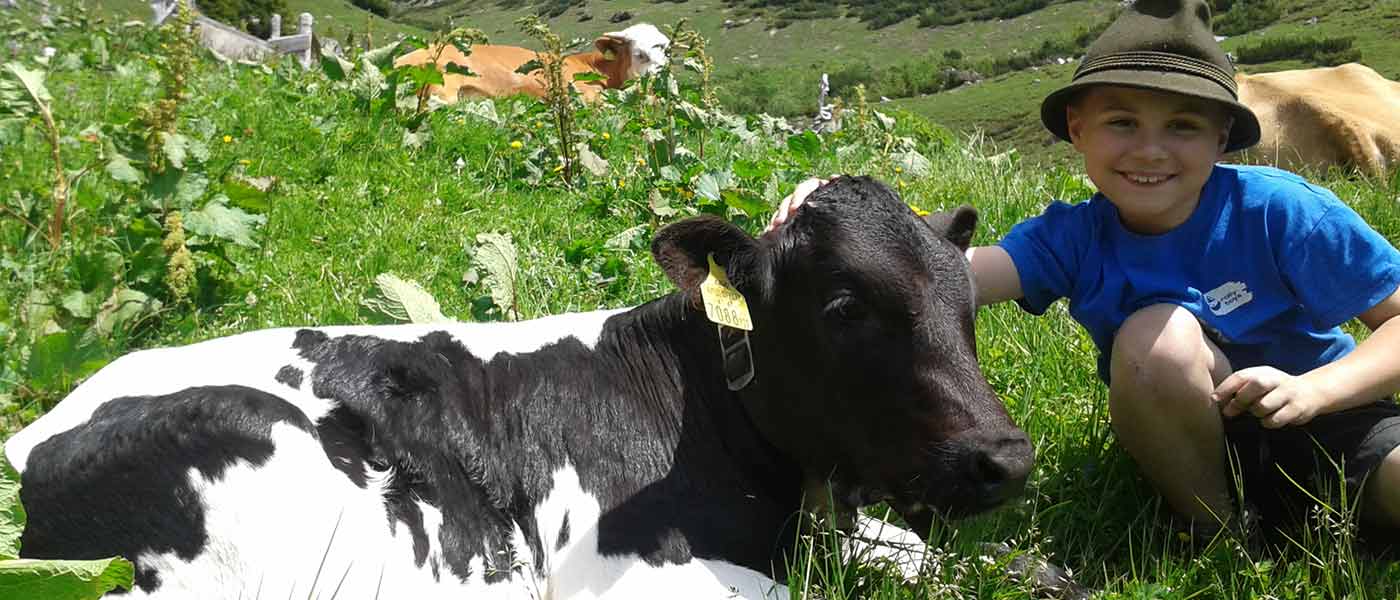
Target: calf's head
865,365
639,49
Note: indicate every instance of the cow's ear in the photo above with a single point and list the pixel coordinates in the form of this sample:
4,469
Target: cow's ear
609,45
683,249
957,225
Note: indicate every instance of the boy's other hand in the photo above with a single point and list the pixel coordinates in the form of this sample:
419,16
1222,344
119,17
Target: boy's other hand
794,200
1277,398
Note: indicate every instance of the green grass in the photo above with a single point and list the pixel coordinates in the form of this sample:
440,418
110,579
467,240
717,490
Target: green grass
352,202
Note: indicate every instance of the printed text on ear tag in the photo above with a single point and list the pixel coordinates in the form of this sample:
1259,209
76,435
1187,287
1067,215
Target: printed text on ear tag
724,304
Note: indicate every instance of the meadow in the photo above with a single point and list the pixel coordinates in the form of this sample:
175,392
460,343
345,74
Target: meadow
295,189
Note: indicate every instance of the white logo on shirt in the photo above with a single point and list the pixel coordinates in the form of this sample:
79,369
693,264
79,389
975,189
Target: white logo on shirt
1228,297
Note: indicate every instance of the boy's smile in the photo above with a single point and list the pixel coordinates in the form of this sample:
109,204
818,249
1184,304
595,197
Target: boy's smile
1149,152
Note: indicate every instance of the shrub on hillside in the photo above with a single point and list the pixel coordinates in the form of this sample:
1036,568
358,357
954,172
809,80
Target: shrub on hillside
1246,16
1324,52
877,14
378,7
952,12
240,11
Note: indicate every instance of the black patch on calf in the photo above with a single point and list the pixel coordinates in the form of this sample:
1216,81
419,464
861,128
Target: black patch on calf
344,438
118,484
563,533
289,376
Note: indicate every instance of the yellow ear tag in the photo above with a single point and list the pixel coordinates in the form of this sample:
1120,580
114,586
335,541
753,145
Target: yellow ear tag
724,304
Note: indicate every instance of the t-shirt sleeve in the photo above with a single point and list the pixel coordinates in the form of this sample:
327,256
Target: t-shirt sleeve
1337,265
1044,250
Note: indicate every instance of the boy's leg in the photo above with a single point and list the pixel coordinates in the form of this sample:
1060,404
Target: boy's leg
1163,369
1382,496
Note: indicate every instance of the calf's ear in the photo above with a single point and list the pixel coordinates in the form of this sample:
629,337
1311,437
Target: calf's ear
957,225
609,45
682,251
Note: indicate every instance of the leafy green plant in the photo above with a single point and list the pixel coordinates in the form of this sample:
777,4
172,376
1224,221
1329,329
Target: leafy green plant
24,97
560,95
30,579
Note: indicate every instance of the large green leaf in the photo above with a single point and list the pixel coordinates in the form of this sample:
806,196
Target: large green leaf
405,300
59,358
120,311
249,193
120,168
709,185
221,221
12,517
176,148
27,579
334,66
749,203
913,163
595,164
31,79
805,146
381,57
495,253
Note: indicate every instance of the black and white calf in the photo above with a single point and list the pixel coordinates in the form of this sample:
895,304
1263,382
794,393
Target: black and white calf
578,456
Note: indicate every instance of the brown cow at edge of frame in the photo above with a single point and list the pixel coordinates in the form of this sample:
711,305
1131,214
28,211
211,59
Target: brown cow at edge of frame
617,55
1347,116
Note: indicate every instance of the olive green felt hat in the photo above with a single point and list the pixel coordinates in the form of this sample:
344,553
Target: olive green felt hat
1162,45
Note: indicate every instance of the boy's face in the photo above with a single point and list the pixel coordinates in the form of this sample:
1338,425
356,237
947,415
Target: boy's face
1149,152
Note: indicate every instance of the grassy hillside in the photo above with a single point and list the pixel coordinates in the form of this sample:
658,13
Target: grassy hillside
821,43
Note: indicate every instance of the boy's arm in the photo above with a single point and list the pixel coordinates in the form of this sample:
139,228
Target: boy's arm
1368,373
994,275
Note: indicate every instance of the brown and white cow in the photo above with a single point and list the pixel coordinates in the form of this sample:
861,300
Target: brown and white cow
594,455
619,56
1347,116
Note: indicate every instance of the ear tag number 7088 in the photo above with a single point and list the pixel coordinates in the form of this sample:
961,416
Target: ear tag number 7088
724,304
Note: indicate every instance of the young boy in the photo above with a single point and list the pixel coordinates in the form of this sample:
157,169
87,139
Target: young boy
1213,293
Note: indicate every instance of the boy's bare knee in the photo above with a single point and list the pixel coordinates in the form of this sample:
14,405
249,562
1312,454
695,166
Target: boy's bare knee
1162,340
1383,492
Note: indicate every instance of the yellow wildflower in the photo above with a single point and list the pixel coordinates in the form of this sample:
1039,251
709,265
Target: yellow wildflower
898,169
516,145
606,136
228,139
918,211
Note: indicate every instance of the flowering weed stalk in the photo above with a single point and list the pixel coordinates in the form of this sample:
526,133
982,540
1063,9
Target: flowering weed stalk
558,93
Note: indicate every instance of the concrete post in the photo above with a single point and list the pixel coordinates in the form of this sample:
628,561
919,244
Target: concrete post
304,23
276,27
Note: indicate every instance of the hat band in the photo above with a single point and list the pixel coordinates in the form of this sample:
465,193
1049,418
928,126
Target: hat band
1159,61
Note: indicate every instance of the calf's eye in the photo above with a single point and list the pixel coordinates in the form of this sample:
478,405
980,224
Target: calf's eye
846,309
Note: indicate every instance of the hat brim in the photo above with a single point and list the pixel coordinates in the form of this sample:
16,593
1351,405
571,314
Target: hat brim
1243,134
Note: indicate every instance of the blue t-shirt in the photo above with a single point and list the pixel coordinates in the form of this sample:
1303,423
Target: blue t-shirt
1270,264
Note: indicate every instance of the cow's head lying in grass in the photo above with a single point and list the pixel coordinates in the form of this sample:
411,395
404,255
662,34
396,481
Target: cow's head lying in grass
865,361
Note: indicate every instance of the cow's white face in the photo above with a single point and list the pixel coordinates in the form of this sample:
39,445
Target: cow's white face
646,46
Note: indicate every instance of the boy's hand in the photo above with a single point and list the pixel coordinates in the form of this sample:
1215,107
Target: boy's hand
790,204
1277,398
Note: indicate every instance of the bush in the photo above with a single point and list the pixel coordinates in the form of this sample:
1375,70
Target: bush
238,11
1325,52
1247,16
378,7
